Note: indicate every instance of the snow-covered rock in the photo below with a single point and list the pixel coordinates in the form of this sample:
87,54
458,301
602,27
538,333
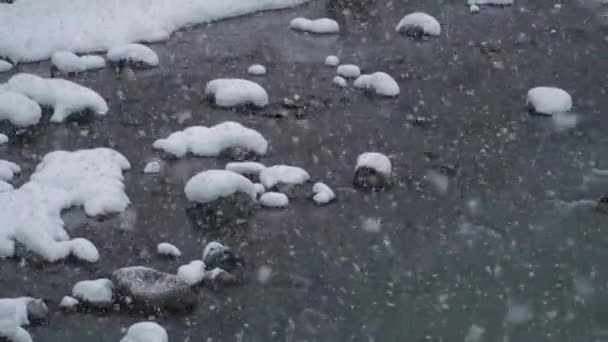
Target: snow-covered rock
257,70
373,171
68,303
3,139
64,96
339,81
28,33
5,66
379,82
19,109
192,273
69,62
319,26
283,174
246,168
348,71
14,313
474,8
418,24
332,61
137,54
323,193
274,200
259,188
8,170
32,214
232,92
96,293
549,100
145,332
211,185
490,2
152,167
212,141
217,255
165,248
149,289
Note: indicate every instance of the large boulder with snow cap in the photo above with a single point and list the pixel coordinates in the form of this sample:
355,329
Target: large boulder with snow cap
373,171
419,24
236,92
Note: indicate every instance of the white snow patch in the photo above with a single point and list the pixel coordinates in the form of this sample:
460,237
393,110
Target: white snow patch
259,188
152,167
3,139
339,81
231,92
264,273
84,249
165,248
5,66
64,96
8,170
146,332
69,62
427,23
379,82
549,100
212,247
13,314
376,161
246,168
68,302
323,193
19,109
29,33
474,8
440,181
192,273
490,2
211,185
133,53
97,292
257,70
211,141
283,174
274,200
332,61
319,26
348,71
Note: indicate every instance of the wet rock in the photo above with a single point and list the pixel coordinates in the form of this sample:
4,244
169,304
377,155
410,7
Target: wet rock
369,179
37,311
489,48
221,212
216,255
239,154
602,205
220,278
147,289
293,190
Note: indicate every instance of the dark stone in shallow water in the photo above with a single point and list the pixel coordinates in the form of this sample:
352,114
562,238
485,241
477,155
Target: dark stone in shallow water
371,180
37,311
222,258
602,205
221,212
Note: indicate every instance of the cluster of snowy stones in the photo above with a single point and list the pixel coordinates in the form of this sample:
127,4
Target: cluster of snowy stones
379,82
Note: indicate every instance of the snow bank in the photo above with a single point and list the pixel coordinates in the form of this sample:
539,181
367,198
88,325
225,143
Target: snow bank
3,139
211,142
339,81
211,185
549,100
5,66
490,2
257,70
231,92
246,168
332,61
69,62
192,273
283,174
95,292
319,26
376,161
133,53
274,200
423,22
32,214
165,248
348,71
379,82
29,33
146,332
64,96
19,109
323,193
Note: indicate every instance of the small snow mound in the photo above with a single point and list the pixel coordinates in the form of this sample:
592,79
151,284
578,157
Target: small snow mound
274,200
84,249
13,314
3,139
211,142
64,96
379,82
5,66
376,161
68,302
211,185
490,2
19,109
348,71
332,61
95,292
152,167
549,100
8,170
319,26
232,92
323,193
66,61
257,70
419,23
133,53
340,81
165,248
145,332
474,8
283,174
192,273
246,168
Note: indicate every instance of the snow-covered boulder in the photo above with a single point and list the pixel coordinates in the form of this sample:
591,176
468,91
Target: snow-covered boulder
256,70
246,168
149,289
490,2
3,139
339,81
152,167
548,100
419,24
379,82
348,71
64,96
94,293
19,109
145,332
234,92
283,174
69,62
167,249
373,171
274,200
5,66
213,141
323,194
216,255
17,312
137,54
211,185
192,273
318,26
332,61
68,303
